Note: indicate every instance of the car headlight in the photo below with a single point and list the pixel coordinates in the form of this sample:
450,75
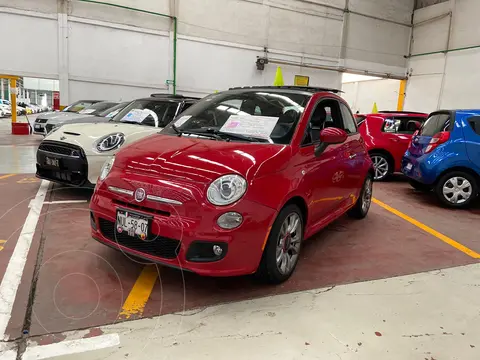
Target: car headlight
226,189
106,168
110,142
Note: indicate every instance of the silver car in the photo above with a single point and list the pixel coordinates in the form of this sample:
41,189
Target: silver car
70,111
104,116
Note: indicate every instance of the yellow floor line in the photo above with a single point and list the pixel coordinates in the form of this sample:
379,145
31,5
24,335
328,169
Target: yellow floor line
138,297
6,176
429,230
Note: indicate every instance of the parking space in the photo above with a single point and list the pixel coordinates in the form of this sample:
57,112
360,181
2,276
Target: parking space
17,190
81,283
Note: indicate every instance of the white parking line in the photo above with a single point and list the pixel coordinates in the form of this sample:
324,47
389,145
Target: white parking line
70,347
13,274
65,202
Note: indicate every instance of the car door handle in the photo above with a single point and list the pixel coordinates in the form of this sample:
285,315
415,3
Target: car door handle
352,156
394,140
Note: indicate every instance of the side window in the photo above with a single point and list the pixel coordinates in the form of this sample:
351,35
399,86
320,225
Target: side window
348,120
392,125
474,122
326,114
186,106
315,125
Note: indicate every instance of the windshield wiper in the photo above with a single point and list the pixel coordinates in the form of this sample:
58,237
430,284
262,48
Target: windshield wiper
236,136
201,133
174,127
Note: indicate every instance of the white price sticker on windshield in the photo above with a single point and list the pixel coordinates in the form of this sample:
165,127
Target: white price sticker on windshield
86,111
182,120
257,126
138,115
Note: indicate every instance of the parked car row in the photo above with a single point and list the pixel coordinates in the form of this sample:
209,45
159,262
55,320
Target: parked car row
22,108
439,152
233,183
249,172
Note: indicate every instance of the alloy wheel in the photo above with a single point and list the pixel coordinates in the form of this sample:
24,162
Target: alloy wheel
288,244
380,165
457,190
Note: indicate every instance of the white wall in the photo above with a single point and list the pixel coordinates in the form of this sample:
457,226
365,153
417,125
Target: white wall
99,50
361,95
445,80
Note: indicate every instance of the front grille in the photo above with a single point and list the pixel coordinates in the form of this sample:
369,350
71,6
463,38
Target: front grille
154,245
71,178
142,208
41,121
61,148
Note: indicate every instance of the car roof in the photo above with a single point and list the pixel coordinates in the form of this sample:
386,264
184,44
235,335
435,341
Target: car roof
400,113
307,90
172,97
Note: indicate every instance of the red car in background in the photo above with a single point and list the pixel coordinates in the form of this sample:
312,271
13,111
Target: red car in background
387,136
236,183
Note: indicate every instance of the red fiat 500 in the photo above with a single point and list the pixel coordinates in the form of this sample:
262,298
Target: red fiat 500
236,183
387,136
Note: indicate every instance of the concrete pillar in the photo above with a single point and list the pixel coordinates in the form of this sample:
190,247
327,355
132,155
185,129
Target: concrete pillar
2,90
63,70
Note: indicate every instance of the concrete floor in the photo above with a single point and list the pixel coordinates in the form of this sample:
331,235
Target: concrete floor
348,299
431,315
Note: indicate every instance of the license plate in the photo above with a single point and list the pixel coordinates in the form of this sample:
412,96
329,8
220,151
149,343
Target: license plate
132,223
408,167
52,162
38,126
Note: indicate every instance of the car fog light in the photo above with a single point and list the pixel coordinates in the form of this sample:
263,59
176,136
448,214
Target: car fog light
230,220
217,250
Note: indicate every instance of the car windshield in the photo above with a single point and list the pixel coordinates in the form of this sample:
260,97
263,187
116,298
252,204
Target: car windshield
149,112
98,108
251,115
78,106
111,112
435,124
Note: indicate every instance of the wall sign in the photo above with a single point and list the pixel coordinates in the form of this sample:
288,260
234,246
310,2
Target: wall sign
301,80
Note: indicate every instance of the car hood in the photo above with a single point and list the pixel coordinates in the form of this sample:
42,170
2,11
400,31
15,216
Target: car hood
85,135
64,116
201,160
86,120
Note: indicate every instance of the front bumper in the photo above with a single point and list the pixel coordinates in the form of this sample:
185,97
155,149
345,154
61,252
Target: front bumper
182,241
62,163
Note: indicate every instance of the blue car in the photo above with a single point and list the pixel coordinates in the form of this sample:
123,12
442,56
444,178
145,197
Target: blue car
444,156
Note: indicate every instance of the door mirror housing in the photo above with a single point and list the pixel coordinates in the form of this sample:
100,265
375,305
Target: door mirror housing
330,136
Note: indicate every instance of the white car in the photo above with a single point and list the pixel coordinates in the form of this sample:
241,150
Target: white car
74,154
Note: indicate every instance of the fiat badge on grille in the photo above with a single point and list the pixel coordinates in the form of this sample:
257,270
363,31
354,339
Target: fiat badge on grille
139,195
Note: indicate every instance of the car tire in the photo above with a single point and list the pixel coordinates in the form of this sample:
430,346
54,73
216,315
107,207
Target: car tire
461,184
382,166
270,269
417,185
361,207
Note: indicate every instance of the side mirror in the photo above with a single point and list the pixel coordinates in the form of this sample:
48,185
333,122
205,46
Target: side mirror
330,136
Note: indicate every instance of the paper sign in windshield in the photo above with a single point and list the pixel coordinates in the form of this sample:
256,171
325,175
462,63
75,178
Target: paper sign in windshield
87,111
257,126
137,115
182,120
